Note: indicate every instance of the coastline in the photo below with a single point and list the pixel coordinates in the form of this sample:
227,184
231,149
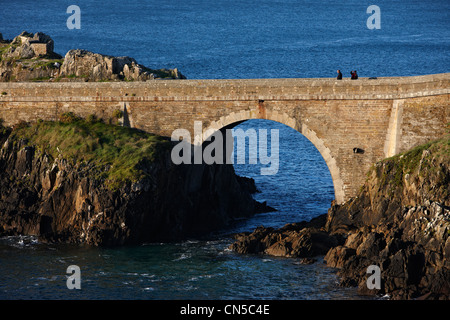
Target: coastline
85,181
399,222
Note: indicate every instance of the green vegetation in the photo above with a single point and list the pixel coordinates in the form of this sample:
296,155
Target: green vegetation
117,114
115,155
92,118
6,46
420,161
4,131
40,79
46,64
73,76
3,48
69,117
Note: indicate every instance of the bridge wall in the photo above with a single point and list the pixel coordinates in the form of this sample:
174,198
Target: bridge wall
381,117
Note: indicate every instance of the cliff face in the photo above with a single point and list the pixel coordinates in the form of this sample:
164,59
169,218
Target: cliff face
60,198
30,57
400,222
411,179
97,67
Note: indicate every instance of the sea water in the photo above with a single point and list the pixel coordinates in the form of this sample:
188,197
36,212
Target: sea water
223,39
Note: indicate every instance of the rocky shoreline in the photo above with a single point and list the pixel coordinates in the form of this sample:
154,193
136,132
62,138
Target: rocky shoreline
400,222
58,193
30,57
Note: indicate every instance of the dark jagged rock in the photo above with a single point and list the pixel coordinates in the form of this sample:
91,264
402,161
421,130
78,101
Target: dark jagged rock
30,57
410,252
400,222
248,184
302,240
62,201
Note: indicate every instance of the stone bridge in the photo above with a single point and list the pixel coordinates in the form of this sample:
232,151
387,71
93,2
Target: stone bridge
380,117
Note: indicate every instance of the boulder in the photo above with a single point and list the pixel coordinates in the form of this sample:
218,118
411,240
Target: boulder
301,240
98,67
31,57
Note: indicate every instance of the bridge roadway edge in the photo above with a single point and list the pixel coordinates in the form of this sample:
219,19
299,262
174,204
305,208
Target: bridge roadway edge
382,117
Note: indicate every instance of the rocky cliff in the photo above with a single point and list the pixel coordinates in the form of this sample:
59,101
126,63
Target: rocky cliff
97,67
88,182
30,57
400,222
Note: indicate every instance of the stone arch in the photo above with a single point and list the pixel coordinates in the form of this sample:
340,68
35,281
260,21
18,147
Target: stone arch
243,115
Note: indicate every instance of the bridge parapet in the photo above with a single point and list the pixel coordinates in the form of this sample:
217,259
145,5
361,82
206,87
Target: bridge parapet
381,117
244,89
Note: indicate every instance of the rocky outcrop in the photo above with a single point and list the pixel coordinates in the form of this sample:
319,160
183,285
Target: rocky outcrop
413,255
30,57
97,67
60,200
399,222
297,240
27,46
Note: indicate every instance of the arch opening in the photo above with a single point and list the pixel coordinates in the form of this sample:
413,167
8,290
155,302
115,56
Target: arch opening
235,119
301,189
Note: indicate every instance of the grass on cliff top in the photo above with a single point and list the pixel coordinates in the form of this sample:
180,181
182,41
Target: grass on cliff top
398,166
117,152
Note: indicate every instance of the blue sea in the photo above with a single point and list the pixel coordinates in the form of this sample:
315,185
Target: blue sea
224,39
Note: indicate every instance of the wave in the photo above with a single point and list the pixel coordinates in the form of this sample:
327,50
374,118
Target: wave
19,241
183,256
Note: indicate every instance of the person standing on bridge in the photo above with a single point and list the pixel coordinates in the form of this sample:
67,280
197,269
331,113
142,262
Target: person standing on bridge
339,76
